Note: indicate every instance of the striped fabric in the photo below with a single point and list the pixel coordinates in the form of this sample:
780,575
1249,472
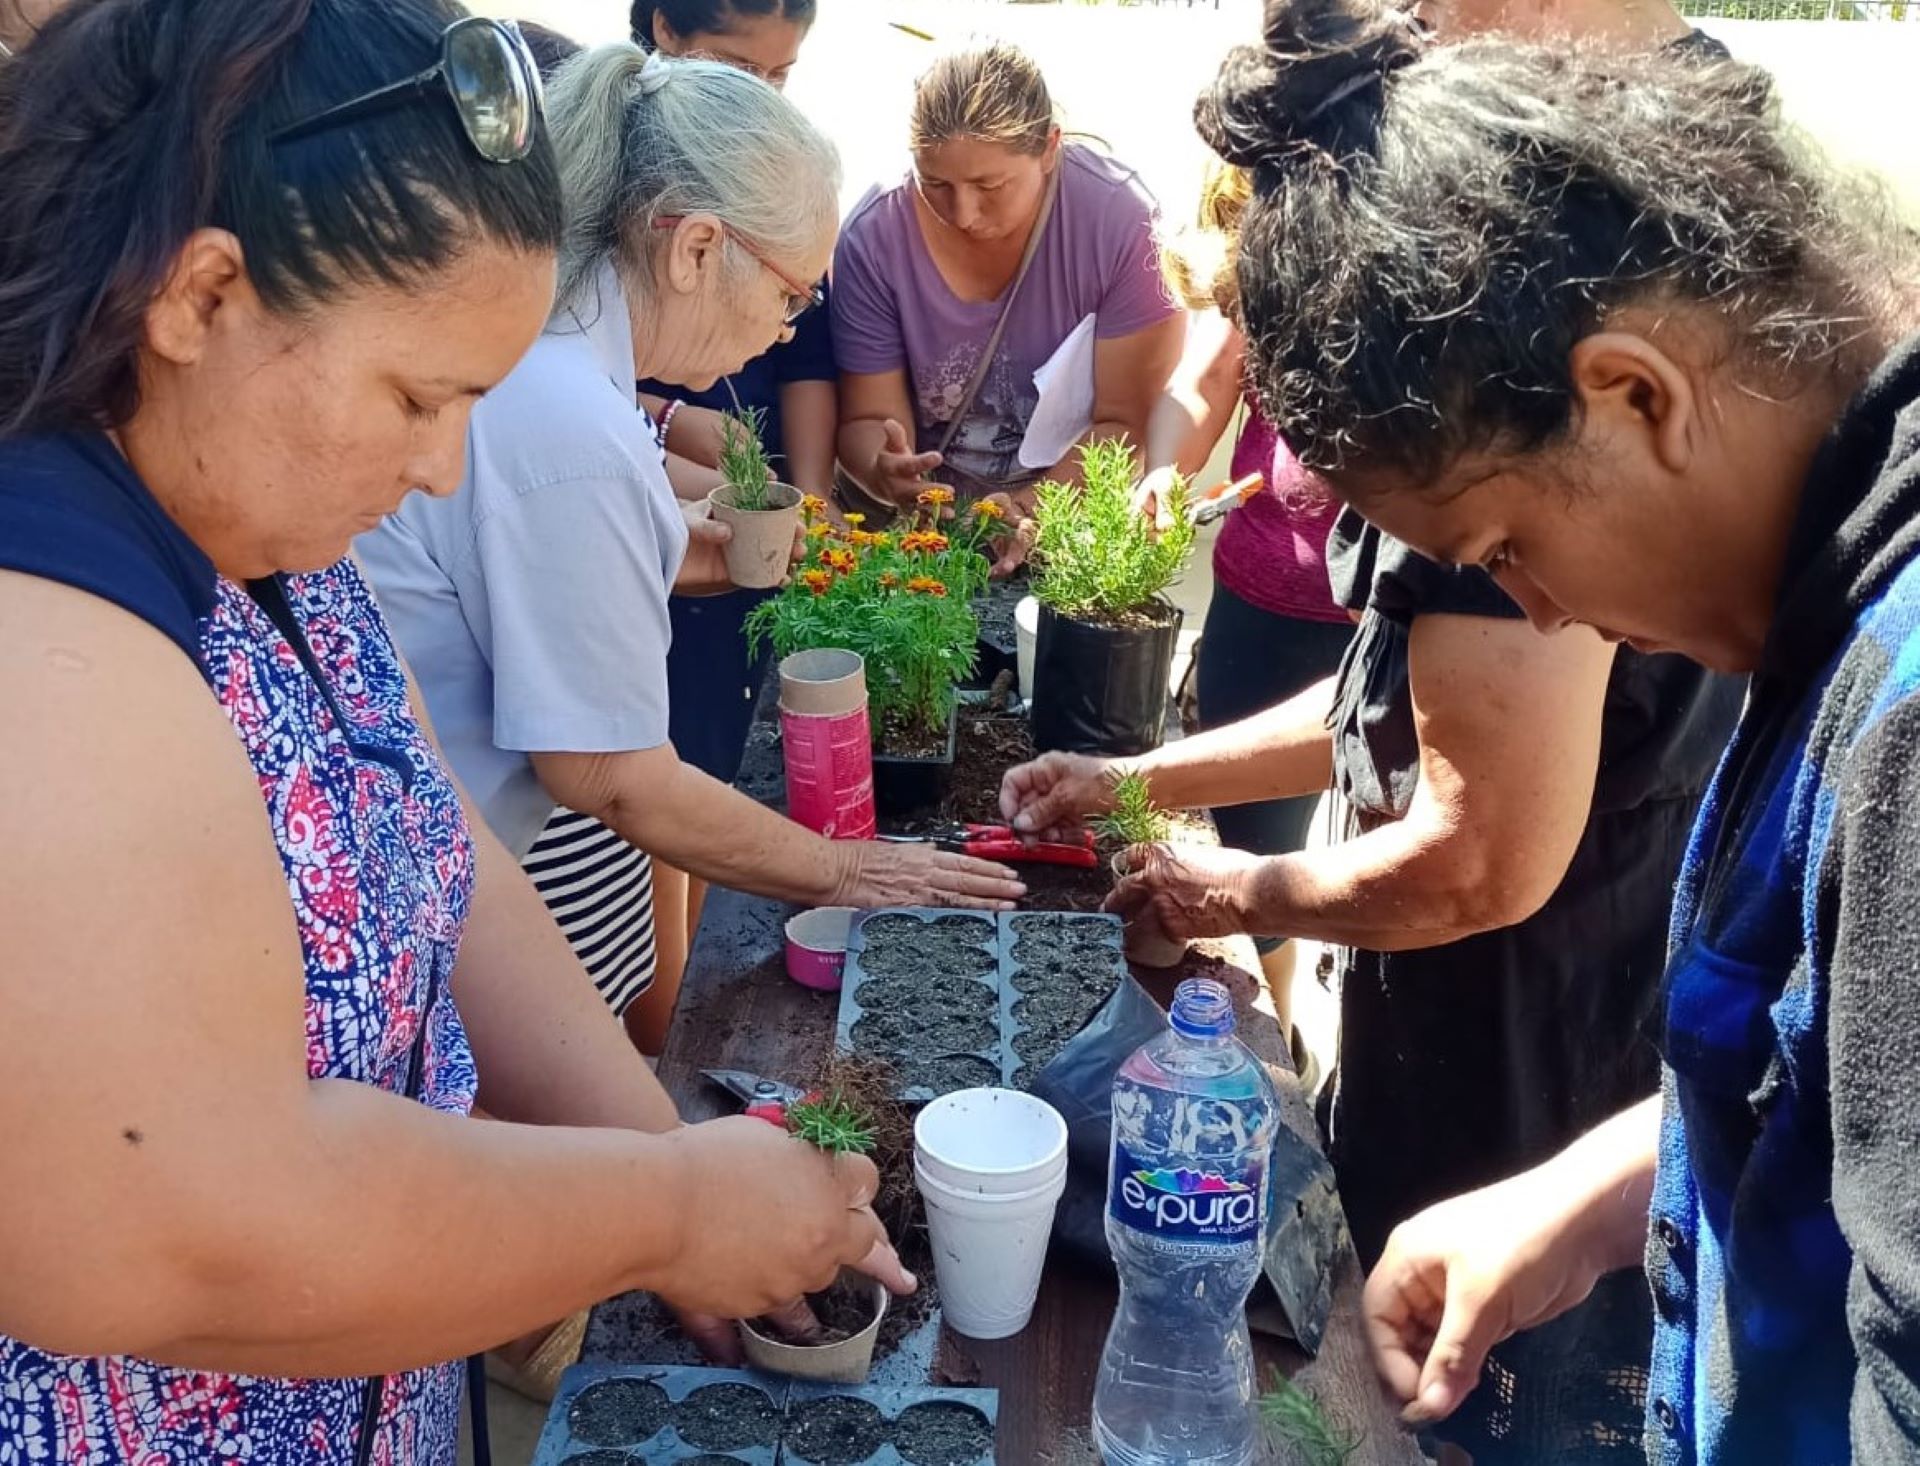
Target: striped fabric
600,889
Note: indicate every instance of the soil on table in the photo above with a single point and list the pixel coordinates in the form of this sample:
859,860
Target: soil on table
986,746
618,1412
964,948
727,1418
943,1433
836,1431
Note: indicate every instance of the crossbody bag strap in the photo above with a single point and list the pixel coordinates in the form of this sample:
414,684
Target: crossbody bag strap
985,364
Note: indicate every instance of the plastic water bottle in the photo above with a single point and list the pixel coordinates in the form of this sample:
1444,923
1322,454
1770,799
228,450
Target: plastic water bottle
1193,1118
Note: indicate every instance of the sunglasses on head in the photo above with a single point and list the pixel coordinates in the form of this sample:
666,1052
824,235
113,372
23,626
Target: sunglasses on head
486,70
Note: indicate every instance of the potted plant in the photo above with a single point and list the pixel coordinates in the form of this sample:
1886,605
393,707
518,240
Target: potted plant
1103,654
848,1314
761,512
901,601
1135,819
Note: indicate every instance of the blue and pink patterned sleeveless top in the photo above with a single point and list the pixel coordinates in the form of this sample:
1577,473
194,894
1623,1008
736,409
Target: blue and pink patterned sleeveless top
380,869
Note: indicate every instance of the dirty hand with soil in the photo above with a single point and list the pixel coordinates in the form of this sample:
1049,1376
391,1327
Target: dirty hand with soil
767,1219
1190,891
875,874
1057,793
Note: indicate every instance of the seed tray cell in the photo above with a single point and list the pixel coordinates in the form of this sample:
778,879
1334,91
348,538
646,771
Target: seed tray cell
635,1414
897,1417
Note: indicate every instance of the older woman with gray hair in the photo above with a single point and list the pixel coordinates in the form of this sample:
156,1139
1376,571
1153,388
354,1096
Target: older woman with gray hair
532,603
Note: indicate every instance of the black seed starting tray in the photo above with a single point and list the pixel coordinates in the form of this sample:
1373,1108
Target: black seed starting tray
625,1415
903,1427
636,1415
957,999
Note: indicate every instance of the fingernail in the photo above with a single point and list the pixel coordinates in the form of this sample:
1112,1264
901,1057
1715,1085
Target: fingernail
913,1280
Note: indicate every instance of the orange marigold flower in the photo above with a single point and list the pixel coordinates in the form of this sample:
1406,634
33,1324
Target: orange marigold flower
936,496
865,539
812,505
840,560
856,520
816,581
819,530
987,509
926,585
924,539
888,580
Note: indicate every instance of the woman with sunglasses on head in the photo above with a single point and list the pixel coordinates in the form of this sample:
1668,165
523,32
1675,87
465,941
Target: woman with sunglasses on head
1657,370
534,600
953,287
258,260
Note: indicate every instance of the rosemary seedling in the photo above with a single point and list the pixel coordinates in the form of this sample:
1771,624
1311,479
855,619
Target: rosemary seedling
743,458
1134,819
1298,1428
829,1123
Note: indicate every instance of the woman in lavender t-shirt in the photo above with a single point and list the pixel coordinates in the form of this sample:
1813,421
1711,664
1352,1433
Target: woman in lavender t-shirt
922,271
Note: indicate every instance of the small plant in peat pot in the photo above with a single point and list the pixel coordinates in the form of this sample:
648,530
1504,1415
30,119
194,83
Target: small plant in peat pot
900,599
846,1318
1134,820
761,512
1103,654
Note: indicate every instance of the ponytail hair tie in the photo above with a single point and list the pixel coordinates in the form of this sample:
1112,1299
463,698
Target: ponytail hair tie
655,72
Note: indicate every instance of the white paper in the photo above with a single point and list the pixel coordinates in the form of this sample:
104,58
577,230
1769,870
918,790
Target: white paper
1064,412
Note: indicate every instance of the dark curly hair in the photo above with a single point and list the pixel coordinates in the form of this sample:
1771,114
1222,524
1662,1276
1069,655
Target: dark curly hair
1432,229
139,121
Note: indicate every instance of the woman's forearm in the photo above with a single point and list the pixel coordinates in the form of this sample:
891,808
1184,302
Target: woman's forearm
860,443
691,820
548,1050
809,413
1606,1178
371,1234
1280,753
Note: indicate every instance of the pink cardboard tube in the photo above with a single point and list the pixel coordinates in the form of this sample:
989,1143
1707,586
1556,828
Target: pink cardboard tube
827,744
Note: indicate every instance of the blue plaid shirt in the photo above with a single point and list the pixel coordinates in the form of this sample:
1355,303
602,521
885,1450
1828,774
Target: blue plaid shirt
1784,1251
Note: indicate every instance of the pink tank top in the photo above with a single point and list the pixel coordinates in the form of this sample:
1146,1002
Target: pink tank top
1272,550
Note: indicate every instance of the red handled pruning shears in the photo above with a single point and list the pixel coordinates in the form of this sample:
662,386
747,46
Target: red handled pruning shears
1222,497
1000,842
764,1098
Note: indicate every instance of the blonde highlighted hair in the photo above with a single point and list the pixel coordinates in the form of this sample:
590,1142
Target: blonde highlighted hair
1199,261
987,91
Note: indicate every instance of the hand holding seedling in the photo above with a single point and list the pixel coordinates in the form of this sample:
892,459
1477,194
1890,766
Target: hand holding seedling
1188,890
768,1218
703,570
1056,794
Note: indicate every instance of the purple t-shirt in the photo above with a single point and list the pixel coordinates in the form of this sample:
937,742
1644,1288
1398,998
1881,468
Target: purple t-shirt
892,308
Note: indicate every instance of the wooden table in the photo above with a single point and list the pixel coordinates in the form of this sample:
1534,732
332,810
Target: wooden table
739,1010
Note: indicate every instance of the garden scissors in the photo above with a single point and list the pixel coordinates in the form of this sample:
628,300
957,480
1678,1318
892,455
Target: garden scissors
1001,842
1223,497
765,1099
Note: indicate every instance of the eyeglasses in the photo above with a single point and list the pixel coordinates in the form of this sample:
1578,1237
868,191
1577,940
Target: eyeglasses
489,74
800,298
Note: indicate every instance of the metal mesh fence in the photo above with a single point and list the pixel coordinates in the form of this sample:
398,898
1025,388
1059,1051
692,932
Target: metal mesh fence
1880,10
